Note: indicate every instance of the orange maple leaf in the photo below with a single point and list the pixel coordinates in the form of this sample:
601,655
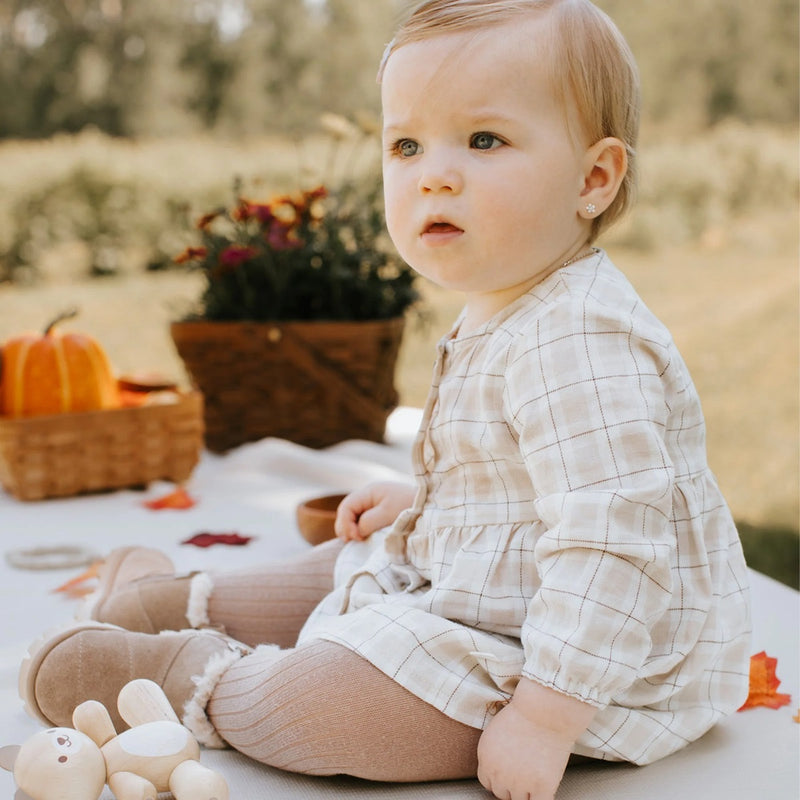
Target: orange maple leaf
180,499
82,584
764,683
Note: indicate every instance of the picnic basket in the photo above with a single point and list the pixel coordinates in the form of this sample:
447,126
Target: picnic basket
66,454
314,383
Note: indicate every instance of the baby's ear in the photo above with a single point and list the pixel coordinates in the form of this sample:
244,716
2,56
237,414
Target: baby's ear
605,166
8,755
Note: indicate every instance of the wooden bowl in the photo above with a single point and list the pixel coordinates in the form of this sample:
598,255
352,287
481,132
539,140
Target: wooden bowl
315,517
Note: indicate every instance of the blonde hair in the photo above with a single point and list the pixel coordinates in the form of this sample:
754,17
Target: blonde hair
590,62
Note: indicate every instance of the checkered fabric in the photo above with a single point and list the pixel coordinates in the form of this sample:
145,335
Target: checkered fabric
566,528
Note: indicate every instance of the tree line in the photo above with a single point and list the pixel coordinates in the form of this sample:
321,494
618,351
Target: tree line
245,67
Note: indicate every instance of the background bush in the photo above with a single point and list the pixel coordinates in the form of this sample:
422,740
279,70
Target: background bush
122,204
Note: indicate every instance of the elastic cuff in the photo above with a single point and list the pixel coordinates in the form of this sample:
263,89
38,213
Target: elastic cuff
579,691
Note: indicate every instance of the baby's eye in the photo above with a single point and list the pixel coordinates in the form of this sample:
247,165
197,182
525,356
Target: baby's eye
484,141
406,148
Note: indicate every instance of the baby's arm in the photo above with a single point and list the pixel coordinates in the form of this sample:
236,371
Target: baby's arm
524,750
375,506
593,438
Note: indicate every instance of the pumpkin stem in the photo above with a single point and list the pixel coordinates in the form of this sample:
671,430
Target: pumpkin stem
68,314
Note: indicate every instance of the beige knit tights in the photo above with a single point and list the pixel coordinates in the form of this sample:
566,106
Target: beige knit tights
320,709
268,604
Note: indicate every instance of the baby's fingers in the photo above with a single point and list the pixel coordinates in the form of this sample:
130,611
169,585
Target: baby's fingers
347,516
345,526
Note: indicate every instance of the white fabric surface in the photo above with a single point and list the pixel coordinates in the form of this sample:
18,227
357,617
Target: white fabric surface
253,491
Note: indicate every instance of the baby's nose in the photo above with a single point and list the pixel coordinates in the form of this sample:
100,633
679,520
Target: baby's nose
440,174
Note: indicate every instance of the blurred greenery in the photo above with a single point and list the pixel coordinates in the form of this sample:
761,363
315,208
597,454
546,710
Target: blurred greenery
708,60
135,67
772,551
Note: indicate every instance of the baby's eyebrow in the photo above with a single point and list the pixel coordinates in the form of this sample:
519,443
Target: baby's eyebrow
392,131
484,117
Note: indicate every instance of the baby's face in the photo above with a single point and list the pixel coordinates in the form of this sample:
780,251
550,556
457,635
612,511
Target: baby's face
483,180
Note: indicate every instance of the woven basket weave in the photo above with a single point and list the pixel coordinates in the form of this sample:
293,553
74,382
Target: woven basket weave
314,383
67,454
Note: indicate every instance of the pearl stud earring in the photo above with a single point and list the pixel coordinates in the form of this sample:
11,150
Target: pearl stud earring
591,208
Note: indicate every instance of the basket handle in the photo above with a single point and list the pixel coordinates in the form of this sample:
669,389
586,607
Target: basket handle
311,360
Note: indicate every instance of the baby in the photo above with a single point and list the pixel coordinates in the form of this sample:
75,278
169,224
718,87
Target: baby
564,577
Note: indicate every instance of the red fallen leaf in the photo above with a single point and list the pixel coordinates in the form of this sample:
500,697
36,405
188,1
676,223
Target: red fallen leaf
764,683
206,539
177,500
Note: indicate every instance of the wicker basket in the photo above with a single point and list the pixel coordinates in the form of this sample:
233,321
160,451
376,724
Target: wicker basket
67,454
314,383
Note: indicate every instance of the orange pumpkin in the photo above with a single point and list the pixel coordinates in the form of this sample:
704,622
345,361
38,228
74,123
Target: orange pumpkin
54,373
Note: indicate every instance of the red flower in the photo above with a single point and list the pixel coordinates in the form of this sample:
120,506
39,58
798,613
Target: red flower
234,255
282,237
190,254
246,210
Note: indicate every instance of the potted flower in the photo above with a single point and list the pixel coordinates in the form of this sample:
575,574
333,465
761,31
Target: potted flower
298,327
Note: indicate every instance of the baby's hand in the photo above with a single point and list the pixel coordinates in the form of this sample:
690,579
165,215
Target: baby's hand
524,750
518,761
367,510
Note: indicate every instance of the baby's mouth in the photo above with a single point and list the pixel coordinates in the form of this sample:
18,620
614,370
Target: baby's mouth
441,227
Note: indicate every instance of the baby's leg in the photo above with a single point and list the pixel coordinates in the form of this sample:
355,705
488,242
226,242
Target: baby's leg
139,591
270,603
323,710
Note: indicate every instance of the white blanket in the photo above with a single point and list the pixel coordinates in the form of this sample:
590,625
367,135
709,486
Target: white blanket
253,491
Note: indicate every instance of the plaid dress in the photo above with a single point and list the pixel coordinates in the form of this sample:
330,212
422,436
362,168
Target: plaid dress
566,528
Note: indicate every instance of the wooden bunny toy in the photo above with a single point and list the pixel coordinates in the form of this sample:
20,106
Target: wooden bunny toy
157,754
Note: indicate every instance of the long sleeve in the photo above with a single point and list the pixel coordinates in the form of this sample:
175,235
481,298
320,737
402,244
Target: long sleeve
591,402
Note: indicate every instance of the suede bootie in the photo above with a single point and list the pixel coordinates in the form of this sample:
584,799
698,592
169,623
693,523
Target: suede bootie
139,591
93,661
